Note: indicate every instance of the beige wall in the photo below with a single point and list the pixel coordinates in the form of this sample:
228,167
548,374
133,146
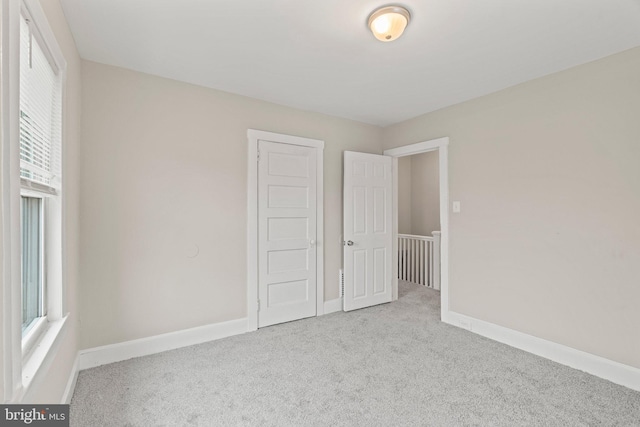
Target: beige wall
425,194
418,194
404,195
547,173
164,167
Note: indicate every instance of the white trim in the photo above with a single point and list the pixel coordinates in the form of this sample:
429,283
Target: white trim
30,187
418,147
615,372
71,383
33,335
281,138
252,236
443,154
38,362
252,218
333,305
11,304
98,356
320,230
442,146
395,221
47,36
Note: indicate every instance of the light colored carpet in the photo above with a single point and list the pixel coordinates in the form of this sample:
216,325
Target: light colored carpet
390,365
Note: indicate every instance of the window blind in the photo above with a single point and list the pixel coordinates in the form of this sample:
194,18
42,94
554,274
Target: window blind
40,111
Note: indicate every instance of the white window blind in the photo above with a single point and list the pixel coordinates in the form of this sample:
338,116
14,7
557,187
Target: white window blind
40,111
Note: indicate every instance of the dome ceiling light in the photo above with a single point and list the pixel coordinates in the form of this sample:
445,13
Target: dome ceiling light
388,23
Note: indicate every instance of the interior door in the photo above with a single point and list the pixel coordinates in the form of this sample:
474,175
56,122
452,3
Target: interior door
286,232
367,230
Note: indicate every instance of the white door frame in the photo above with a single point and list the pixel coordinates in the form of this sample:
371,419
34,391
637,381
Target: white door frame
441,145
253,136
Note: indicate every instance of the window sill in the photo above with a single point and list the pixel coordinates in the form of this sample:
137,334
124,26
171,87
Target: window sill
40,358
33,335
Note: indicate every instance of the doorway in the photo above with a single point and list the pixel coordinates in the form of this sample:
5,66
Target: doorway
440,146
285,228
419,219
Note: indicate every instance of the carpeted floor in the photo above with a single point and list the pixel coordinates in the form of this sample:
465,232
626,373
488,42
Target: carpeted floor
390,365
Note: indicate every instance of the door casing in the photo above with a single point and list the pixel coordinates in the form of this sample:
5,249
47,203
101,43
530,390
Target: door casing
253,136
442,146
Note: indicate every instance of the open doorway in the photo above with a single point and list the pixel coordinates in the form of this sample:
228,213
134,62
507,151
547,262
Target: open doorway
419,219
439,148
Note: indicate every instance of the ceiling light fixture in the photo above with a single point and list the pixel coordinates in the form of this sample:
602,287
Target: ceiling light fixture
388,23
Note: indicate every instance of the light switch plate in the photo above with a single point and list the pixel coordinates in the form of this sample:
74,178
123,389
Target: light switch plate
456,207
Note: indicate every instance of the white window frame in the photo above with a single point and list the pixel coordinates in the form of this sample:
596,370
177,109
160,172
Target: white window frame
25,361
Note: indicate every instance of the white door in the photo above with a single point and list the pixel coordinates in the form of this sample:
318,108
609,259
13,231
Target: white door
286,232
367,230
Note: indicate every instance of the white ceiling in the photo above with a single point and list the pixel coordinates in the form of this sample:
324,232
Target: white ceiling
318,55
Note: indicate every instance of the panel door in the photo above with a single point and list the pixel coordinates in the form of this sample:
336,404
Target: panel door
287,232
367,230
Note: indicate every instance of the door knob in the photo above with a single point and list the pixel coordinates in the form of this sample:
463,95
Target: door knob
349,243
312,242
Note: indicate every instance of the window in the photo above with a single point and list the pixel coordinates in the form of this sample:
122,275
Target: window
32,195
32,265
40,121
40,110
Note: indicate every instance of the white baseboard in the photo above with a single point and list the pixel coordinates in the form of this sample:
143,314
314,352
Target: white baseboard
71,384
333,305
615,372
97,356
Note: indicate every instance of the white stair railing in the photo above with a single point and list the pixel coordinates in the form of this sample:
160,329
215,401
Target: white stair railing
419,259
